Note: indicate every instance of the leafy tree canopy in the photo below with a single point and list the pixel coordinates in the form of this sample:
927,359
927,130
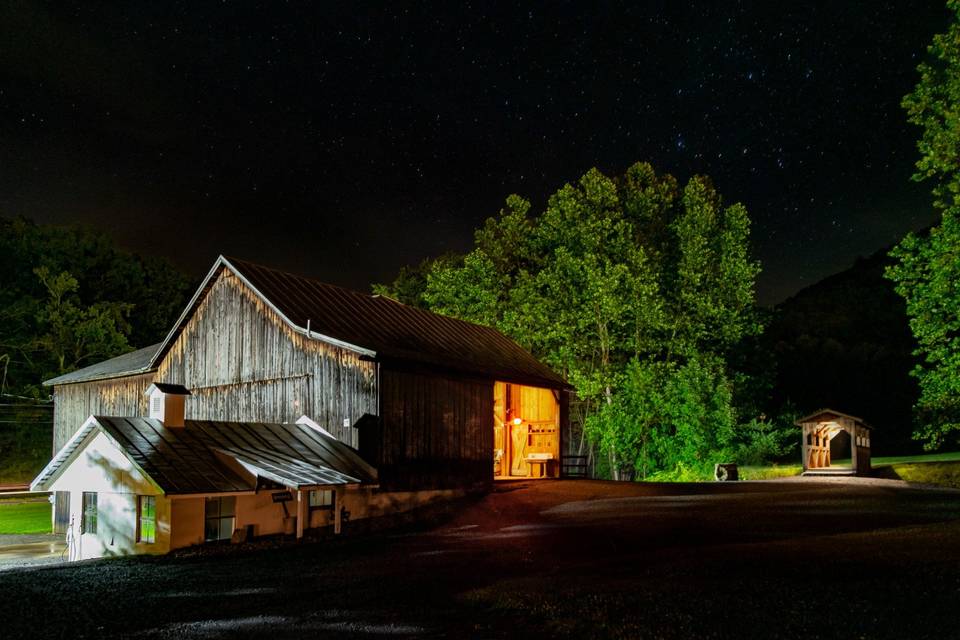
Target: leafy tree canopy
71,298
927,267
617,282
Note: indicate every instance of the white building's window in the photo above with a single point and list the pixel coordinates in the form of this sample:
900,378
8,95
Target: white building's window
88,518
219,517
146,519
320,499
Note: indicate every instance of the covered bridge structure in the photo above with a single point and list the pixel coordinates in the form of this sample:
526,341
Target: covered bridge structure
822,430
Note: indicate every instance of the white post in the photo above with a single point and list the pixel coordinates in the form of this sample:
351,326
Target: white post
301,513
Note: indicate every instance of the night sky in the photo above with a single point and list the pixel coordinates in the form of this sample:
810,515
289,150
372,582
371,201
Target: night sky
343,142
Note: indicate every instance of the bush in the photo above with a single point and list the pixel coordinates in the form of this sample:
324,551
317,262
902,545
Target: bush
666,421
762,442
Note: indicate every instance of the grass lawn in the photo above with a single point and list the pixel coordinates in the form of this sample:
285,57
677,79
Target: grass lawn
926,457
25,517
943,474
770,472
942,469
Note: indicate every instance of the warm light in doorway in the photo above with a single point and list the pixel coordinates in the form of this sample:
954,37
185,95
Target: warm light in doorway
517,421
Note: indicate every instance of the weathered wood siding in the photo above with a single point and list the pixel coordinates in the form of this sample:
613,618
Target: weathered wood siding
74,403
242,362
437,431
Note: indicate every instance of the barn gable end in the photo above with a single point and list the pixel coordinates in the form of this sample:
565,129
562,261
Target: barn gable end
241,361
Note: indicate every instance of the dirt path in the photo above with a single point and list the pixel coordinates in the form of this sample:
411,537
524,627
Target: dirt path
566,558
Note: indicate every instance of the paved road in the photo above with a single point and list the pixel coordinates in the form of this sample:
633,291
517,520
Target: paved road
17,551
824,559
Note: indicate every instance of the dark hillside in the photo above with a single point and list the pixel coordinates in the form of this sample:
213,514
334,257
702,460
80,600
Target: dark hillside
845,343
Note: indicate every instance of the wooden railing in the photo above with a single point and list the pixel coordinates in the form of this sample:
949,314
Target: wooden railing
573,466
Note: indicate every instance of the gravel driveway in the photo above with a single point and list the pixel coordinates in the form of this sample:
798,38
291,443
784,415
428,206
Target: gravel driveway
577,559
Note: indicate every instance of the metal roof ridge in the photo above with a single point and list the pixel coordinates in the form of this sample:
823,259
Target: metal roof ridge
222,262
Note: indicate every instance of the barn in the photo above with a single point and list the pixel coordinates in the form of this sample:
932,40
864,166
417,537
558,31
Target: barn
436,406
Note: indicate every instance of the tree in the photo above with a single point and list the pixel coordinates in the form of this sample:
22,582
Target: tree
411,282
623,285
104,277
927,267
75,335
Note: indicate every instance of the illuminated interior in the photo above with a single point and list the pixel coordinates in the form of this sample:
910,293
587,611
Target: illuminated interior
526,432
828,446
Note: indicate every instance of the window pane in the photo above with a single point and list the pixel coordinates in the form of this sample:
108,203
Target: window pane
88,523
147,518
228,506
226,528
211,529
321,498
212,508
148,531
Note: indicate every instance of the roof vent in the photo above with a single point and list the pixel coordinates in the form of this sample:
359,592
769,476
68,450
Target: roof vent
167,403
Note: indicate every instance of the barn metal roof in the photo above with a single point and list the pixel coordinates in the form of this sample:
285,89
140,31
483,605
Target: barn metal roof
383,328
196,458
135,362
372,325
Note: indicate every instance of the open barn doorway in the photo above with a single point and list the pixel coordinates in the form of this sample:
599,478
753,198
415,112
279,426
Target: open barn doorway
526,432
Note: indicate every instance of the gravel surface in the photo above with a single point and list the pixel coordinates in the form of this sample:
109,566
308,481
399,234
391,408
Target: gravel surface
579,559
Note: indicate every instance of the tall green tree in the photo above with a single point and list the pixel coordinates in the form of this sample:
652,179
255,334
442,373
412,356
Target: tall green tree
927,266
616,278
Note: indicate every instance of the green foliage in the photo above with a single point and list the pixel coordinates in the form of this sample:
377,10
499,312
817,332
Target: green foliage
761,441
411,282
25,517
74,334
934,106
636,292
927,275
477,284
667,417
25,440
70,298
927,271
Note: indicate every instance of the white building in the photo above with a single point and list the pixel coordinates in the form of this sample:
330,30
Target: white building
150,485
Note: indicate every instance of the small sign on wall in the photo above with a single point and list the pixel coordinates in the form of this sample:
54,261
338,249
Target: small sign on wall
281,496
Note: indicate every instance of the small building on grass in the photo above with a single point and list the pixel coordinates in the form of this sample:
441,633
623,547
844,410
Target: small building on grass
834,443
150,485
273,391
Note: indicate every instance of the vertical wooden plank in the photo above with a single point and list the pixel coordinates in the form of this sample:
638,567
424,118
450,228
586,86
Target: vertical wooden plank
338,510
804,453
851,430
232,340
